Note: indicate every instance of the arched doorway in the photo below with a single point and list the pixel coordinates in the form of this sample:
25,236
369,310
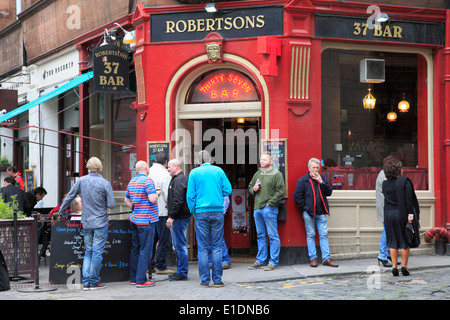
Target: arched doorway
220,108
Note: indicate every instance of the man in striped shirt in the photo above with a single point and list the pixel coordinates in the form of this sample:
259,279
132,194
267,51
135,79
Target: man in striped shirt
142,198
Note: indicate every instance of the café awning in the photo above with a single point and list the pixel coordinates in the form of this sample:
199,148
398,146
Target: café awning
67,86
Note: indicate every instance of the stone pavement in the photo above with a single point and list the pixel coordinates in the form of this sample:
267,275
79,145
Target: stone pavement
235,278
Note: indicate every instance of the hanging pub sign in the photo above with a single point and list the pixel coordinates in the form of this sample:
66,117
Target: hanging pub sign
111,69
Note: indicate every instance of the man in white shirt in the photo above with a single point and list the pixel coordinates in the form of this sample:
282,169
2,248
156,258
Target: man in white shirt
161,177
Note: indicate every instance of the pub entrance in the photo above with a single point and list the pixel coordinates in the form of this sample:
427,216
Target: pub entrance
234,147
219,110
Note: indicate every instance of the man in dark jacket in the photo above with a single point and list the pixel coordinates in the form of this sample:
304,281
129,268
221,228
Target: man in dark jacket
311,197
179,218
10,189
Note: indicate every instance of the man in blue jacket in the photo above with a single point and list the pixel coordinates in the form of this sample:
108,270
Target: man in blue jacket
207,185
311,195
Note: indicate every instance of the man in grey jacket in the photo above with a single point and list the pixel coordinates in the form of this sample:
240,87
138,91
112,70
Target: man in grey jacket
96,197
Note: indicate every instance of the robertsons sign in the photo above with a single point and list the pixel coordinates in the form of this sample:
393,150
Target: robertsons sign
229,23
111,69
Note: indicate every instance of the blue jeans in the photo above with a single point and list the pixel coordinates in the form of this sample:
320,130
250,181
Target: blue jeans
178,230
94,243
384,250
266,225
209,233
162,238
141,251
225,256
322,227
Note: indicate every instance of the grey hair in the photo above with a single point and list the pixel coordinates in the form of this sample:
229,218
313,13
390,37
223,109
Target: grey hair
203,157
313,160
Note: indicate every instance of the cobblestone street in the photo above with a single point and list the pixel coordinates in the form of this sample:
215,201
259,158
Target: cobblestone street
432,284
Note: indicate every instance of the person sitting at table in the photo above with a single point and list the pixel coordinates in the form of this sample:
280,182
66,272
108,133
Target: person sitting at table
75,209
56,210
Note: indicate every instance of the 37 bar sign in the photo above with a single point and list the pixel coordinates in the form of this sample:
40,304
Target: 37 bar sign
111,69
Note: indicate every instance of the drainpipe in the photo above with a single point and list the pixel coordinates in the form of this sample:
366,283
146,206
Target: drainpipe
447,114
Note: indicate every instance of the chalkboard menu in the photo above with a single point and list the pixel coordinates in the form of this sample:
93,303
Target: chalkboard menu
278,150
29,180
68,251
155,147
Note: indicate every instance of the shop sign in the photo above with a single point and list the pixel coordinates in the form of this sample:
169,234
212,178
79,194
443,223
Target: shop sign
111,69
359,28
8,102
230,23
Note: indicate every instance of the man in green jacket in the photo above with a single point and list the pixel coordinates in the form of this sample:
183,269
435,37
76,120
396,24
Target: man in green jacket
267,185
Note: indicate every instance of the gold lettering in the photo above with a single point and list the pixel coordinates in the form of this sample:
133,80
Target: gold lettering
387,32
219,23
235,25
102,80
210,24
169,27
260,21
397,32
250,22
119,81
177,26
191,26
357,30
364,25
201,25
377,31
228,23
215,24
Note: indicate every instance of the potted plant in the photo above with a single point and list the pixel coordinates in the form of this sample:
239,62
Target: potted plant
4,163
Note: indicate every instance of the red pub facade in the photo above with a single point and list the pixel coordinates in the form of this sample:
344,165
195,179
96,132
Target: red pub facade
293,77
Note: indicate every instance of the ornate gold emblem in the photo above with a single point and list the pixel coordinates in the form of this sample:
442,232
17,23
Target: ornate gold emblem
213,51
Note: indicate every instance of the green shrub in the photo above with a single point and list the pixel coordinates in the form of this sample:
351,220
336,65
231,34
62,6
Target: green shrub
7,209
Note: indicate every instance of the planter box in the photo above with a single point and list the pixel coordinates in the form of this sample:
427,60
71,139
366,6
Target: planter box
25,245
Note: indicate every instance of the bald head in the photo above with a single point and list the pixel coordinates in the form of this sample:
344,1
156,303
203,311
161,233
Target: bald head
142,167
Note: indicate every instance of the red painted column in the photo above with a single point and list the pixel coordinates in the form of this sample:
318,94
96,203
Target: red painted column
446,123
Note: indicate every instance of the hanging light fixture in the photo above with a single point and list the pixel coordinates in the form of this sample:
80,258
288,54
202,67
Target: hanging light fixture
105,35
392,116
403,106
369,101
129,37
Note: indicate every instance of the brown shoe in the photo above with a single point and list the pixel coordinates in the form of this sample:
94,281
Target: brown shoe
330,263
313,263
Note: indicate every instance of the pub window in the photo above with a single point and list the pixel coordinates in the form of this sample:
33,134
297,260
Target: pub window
113,120
355,140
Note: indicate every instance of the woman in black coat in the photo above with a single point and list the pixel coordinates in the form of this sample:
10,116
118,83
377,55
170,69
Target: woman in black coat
401,208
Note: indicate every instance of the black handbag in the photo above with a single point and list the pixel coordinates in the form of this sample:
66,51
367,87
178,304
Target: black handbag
410,233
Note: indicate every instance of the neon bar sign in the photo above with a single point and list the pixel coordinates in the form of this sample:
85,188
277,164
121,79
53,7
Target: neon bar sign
225,86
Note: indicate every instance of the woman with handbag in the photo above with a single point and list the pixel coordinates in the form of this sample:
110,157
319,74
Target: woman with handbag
401,214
